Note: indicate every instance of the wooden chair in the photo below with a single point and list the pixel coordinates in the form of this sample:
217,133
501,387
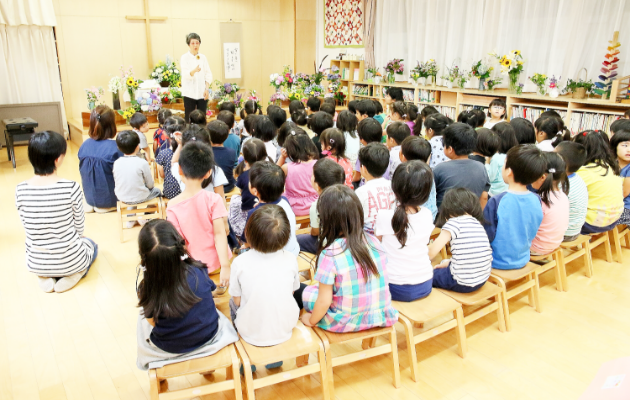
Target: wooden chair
306,262
436,232
580,247
424,310
225,358
616,239
488,292
330,338
531,282
151,209
303,221
303,342
601,238
624,234
554,261
154,170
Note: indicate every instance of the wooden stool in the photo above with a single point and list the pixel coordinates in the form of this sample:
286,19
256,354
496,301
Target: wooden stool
489,291
599,238
553,260
164,206
154,169
616,239
530,273
424,310
436,232
303,221
624,234
582,249
225,358
231,193
303,342
329,338
152,210
306,262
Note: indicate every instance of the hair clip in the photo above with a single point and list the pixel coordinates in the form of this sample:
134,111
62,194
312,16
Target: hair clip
404,116
98,116
584,133
184,257
142,268
552,170
293,133
194,139
332,141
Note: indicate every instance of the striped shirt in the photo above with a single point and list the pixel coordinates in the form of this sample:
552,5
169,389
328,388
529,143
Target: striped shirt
472,255
578,201
53,219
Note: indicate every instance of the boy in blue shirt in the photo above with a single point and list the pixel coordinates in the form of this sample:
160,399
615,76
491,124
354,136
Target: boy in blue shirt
224,157
513,217
233,140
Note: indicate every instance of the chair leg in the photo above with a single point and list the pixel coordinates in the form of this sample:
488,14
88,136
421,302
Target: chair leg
154,385
328,357
530,293
323,372
120,223
233,374
562,270
301,360
501,314
460,332
368,343
588,259
504,300
411,347
558,273
536,290
396,364
617,243
609,258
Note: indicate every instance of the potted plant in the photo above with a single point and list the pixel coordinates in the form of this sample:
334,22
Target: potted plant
372,71
553,86
540,80
394,67
115,86
481,71
94,95
491,83
176,95
579,88
463,78
166,73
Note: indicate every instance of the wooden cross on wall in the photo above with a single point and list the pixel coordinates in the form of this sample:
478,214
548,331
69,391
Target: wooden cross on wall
147,22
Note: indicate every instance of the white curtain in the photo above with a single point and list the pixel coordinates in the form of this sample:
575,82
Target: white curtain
27,12
556,37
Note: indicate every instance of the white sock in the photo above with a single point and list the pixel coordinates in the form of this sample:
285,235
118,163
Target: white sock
68,282
142,221
131,224
46,284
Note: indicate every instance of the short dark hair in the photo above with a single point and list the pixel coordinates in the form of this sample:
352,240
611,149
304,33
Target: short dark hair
197,117
620,124
44,148
228,106
196,133
457,202
507,136
277,115
264,129
192,36
375,158
249,123
619,137
481,116
330,100
328,108
488,142
366,107
219,131
552,127
352,106
137,120
268,229
299,147
398,131
326,173
227,117
460,137
196,160
127,142
527,163
627,113
163,115
102,123
299,117
523,130
370,130
285,130
468,117
574,155
395,93
294,106
268,179
320,121
313,103
437,123
416,148
378,107
347,122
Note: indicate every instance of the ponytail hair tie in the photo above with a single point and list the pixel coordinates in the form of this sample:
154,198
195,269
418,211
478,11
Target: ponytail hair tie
98,116
552,170
404,115
559,133
142,268
584,133
332,141
194,139
293,133
184,257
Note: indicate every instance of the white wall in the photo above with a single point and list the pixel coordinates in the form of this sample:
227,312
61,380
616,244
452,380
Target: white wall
321,50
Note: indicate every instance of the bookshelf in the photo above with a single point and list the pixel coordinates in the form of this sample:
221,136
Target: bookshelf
350,71
578,114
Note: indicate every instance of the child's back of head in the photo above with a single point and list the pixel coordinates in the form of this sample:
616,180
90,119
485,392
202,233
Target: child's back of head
285,130
480,116
370,130
333,140
527,163
549,128
227,117
437,123
556,174
597,150
395,93
127,142
506,135
366,108
523,130
268,229
313,104
347,122
421,117
328,108
458,202
574,155
352,106
264,129
163,115
468,117
620,124
326,173
268,180
172,125
488,142
320,121
196,160
44,148
137,120
398,131
294,106
228,106
375,158
198,117
250,108
460,137
300,148
219,131
196,133
299,116
277,115
416,148
254,150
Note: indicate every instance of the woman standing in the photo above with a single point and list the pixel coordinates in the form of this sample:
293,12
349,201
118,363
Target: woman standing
96,161
196,77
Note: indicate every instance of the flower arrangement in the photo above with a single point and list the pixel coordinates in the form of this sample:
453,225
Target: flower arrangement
277,97
314,90
519,89
318,76
463,78
175,93
128,113
166,97
340,97
94,96
115,85
553,82
166,72
129,81
287,74
394,66
512,64
150,101
493,82
209,113
481,70
254,96
301,79
572,85
540,80
227,92
372,71
276,80
431,68
333,79
453,74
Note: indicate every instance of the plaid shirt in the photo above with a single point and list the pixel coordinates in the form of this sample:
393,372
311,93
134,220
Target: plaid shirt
357,305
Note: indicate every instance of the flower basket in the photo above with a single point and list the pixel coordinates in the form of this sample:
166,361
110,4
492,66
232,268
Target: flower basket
580,93
165,84
179,100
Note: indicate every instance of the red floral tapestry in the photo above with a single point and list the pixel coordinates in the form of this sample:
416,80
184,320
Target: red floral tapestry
343,23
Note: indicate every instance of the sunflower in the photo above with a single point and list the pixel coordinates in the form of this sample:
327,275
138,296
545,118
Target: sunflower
135,84
130,81
506,62
519,62
516,52
179,83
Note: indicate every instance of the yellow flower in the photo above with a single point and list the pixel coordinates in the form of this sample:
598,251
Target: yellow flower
519,62
544,76
506,62
179,83
130,81
517,52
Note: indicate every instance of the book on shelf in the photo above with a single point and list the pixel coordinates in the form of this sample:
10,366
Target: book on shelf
356,75
345,73
407,94
533,113
444,110
361,90
584,121
469,107
427,96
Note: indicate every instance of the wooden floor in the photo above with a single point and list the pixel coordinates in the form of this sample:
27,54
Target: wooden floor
82,344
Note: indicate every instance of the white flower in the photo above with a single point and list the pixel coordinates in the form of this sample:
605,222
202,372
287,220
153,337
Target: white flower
176,71
170,71
158,70
145,95
144,108
273,77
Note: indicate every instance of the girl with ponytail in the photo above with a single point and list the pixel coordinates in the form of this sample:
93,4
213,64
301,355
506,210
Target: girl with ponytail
405,232
549,132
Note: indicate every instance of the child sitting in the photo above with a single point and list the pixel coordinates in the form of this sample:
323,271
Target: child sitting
600,173
412,115
460,171
376,194
329,109
285,131
160,136
406,231
369,131
334,147
353,293
163,160
548,133
132,175
523,130
224,157
326,173
249,108
434,125
574,156
396,133
178,319
552,188
418,126
198,214
140,126
379,115
471,263
365,109
318,123
300,119
51,211
418,148
468,117
495,168
497,111
511,226
294,106
233,141
277,115
263,281
265,130
312,105
198,117
299,171
620,145
347,123
266,181
488,143
397,113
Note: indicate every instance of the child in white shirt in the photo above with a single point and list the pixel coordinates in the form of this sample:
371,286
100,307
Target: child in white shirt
396,133
140,125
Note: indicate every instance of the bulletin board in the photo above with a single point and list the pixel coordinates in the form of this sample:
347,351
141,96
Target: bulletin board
231,35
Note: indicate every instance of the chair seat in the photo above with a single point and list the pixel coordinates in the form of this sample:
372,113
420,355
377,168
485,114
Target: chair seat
436,232
515,274
580,240
222,359
424,310
487,291
304,263
334,337
546,257
303,341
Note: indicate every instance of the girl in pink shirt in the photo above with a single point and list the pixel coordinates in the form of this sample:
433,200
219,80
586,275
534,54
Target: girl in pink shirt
553,188
334,147
301,150
198,214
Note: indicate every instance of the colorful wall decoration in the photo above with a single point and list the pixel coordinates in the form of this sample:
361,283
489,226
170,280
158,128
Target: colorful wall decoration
343,23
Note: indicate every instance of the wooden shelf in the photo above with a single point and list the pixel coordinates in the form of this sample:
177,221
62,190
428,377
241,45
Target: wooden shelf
597,111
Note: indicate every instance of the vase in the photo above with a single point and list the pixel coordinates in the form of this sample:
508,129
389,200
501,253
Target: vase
542,91
116,101
579,93
391,78
513,83
431,80
449,84
554,92
482,84
91,105
423,81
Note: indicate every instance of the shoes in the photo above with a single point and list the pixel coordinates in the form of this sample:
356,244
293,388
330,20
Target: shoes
274,365
104,210
253,369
